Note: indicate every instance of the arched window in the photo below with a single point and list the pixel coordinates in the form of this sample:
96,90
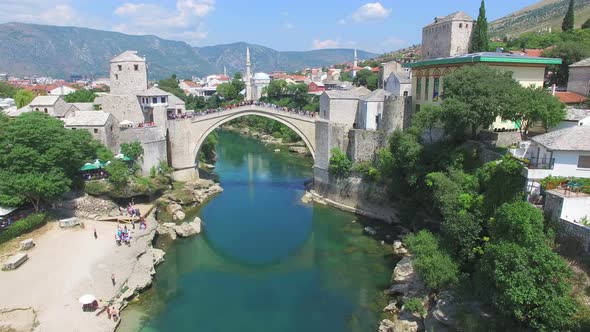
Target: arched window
37,109
45,110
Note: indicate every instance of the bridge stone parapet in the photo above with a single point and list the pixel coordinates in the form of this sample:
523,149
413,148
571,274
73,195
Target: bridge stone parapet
187,135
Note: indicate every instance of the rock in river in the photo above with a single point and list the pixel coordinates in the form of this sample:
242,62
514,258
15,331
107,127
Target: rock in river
187,229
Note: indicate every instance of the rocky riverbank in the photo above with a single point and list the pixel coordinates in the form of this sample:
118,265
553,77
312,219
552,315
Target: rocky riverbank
296,147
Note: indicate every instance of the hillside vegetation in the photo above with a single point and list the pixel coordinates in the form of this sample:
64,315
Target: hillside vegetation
542,15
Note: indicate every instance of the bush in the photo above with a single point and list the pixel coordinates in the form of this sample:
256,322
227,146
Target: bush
25,225
340,165
414,305
118,173
433,264
518,222
96,188
153,172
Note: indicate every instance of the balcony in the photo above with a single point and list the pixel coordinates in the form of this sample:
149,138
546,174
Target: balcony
541,163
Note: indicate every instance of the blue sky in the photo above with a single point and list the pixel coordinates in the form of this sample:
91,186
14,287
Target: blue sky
283,25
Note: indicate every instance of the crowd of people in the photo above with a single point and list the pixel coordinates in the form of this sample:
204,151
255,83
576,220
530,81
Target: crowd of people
190,115
146,124
123,235
94,175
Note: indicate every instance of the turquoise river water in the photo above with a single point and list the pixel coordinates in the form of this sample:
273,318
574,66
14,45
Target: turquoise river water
265,261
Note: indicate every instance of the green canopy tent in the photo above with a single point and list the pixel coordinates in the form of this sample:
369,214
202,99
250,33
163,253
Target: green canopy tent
123,157
89,167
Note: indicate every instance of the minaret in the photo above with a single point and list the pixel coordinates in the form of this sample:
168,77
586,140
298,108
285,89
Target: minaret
354,64
248,76
224,71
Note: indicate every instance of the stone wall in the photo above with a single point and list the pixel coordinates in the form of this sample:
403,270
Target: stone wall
579,80
362,144
121,107
570,232
500,139
397,114
153,141
355,195
127,80
328,137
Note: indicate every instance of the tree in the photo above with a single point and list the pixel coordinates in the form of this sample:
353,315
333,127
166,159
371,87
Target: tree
40,159
501,182
118,173
568,21
366,78
340,165
475,95
533,105
23,97
132,150
586,24
428,117
479,37
171,85
346,76
7,90
529,283
227,91
570,52
80,96
518,222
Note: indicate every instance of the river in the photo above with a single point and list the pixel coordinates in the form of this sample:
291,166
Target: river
265,261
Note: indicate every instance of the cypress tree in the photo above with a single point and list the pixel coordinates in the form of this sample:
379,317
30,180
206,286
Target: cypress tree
479,35
568,20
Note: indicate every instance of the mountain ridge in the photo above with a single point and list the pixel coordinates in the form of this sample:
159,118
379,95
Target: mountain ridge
46,50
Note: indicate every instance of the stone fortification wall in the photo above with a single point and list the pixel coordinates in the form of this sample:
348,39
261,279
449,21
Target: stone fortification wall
328,137
355,195
362,144
121,107
397,114
153,141
500,139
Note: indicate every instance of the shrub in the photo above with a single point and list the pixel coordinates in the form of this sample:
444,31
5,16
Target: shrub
118,173
23,226
414,305
96,188
435,266
518,222
340,165
153,172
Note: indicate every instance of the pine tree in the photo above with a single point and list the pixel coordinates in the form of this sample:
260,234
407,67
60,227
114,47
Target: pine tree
568,20
479,36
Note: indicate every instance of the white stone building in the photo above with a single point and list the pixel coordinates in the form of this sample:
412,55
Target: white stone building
55,106
579,78
447,36
101,125
128,74
60,90
259,82
399,84
341,106
371,108
574,117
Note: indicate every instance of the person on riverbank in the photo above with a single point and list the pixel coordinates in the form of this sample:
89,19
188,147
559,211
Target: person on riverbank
113,280
95,235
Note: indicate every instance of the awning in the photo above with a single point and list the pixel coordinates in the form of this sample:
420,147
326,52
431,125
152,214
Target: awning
89,167
6,210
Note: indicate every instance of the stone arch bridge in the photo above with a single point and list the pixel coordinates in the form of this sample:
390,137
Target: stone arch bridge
185,136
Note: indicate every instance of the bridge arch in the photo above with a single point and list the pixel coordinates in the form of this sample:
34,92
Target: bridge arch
309,141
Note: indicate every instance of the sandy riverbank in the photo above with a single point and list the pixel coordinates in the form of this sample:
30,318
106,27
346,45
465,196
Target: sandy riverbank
68,263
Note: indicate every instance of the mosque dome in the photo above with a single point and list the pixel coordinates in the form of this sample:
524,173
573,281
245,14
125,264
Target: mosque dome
261,76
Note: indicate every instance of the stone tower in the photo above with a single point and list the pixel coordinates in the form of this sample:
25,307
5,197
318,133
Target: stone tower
447,36
248,76
128,74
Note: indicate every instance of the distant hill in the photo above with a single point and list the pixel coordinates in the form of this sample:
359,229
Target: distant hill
542,15
44,50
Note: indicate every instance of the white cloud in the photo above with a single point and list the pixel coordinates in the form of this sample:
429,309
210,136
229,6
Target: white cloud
53,12
394,43
342,21
371,11
185,23
288,25
327,43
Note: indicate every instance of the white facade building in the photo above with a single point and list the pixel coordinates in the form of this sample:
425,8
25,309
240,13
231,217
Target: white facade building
579,77
371,110
259,82
341,106
61,90
399,84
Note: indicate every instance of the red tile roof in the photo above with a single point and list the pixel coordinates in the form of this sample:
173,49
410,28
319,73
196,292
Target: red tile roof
570,98
191,84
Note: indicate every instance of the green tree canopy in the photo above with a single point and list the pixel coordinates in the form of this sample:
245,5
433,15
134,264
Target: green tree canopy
133,150
340,165
23,97
479,36
568,21
474,96
80,96
518,222
40,159
533,105
7,90
570,51
366,78
428,117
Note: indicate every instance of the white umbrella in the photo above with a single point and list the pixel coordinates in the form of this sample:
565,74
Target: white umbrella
87,299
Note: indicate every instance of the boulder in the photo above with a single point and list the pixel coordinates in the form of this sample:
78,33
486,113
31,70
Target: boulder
187,229
307,198
172,208
27,244
299,150
404,271
392,306
179,215
386,326
69,222
158,255
445,309
167,229
15,261
399,248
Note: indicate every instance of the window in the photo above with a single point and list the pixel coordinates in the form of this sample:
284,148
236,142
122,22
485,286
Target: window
95,130
584,162
460,25
466,26
435,89
116,76
45,110
163,100
37,109
154,100
427,86
120,67
405,93
136,67
418,88
417,108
